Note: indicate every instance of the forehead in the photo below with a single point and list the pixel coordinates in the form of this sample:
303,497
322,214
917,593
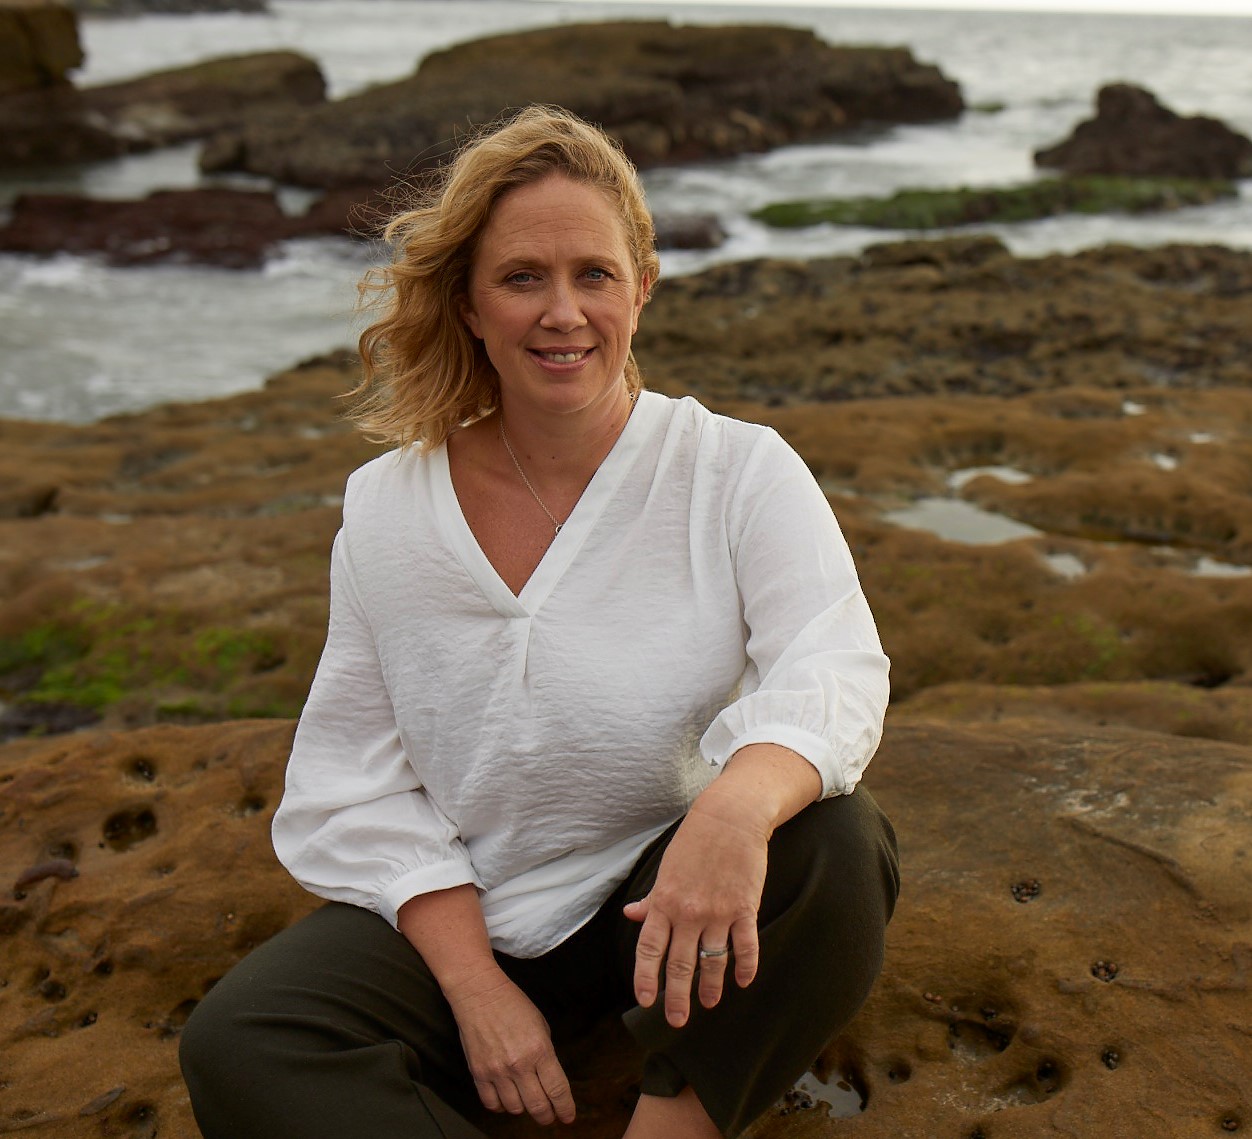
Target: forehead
556,216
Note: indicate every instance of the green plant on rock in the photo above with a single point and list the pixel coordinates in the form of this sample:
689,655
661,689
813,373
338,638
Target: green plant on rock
232,652
943,209
42,647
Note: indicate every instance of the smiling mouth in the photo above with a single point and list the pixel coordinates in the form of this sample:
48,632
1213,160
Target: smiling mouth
562,357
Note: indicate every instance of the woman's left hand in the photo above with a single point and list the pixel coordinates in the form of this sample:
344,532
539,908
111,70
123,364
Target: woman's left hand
707,893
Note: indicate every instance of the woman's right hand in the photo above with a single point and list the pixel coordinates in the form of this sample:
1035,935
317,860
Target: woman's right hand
509,1049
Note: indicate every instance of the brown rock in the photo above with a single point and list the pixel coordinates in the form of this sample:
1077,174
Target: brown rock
689,231
1023,989
38,45
230,228
233,229
218,94
1134,134
42,118
1070,954
670,94
219,515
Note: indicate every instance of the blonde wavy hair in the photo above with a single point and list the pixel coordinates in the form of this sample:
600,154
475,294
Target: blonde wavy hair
424,373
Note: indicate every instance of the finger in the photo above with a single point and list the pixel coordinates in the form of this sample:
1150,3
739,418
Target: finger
713,969
638,911
649,953
535,1098
506,1089
680,970
552,1078
743,936
487,1093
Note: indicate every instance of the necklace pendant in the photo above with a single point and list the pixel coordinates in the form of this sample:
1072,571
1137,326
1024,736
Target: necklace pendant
558,529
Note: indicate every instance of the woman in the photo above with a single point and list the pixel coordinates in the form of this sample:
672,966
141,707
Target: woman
598,687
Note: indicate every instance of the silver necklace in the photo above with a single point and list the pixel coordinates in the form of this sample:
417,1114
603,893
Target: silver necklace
556,526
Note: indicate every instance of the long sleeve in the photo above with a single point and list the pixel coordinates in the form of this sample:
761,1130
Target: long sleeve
355,824
816,681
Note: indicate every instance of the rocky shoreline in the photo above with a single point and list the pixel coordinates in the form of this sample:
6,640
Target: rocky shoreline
1068,751
1068,757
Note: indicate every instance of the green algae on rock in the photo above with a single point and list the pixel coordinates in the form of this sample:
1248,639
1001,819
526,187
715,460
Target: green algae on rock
942,209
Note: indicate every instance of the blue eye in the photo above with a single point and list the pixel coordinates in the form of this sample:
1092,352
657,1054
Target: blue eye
520,278
598,274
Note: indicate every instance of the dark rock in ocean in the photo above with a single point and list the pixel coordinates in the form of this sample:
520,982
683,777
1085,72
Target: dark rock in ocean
42,117
670,94
688,231
232,229
1134,134
169,7
218,94
229,228
49,126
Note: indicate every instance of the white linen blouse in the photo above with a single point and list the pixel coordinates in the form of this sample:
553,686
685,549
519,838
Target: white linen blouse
699,598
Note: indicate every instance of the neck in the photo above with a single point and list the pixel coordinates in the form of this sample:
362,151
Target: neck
556,447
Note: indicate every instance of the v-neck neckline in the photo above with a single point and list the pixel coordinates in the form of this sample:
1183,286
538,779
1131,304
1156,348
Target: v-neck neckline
566,544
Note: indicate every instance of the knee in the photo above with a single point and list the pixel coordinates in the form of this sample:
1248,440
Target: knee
841,855
208,1045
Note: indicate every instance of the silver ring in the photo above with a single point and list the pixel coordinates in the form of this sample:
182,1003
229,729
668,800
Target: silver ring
713,952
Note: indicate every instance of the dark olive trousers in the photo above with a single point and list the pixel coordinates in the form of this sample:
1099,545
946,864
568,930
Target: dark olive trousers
335,1028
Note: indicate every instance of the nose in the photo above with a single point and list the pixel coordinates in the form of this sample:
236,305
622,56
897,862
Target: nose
563,311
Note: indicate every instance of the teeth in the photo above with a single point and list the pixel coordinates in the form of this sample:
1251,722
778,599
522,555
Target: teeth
563,357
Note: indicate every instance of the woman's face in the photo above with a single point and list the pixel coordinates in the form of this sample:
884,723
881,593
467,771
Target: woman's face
553,296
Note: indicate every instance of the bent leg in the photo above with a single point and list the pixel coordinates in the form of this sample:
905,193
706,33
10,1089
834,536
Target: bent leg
333,1028
829,892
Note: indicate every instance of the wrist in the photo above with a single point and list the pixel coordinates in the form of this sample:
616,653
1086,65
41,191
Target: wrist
474,985
724,803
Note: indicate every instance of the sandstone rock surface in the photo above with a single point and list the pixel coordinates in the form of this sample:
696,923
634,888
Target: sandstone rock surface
1070,953
671,94
1132,133
1069,761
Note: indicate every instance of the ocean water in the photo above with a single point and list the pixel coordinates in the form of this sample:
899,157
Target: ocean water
79,340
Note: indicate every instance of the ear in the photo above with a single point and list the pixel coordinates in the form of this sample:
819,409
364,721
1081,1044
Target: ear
470,315
641,297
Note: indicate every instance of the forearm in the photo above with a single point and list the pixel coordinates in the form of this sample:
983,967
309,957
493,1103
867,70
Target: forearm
761,787
447,928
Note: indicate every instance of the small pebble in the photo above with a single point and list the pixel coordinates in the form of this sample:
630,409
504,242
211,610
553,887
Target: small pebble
1110,1058
102,1101
61,868
1025,891
1104,970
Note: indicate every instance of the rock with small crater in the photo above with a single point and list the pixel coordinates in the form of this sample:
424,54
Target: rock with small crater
988,1015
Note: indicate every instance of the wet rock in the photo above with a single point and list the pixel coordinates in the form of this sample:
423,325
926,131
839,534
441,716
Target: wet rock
50,718
670,94
229,228
689,231
168,7
1134,134
218,94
